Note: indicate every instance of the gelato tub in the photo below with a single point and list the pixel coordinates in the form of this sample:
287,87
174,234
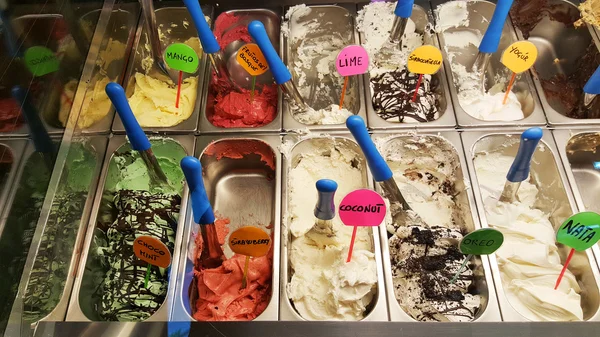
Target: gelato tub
11,151
150,92
431,174
316,281
47,280
568,56
389,85
226,109
19,221
110,279
241,176
460,26
313,37
526,267
96,113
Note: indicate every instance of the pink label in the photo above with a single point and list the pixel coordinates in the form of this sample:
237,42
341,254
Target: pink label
352,60
362,208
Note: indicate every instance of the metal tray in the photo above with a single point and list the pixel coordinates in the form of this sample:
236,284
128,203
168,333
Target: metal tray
232,186
36,29
551,181
293,146
80,306
16,148
484,285
333,21
18,326
480,14
422,18
111,61
555,40
165,18
272,22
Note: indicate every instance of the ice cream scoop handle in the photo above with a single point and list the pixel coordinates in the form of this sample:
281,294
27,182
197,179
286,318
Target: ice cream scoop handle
325,207
202,211
404,8
136,135
519,170
41,138
379,168
593,84
278,69
207,38
491,38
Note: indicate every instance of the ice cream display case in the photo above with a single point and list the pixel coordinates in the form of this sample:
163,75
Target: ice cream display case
72,213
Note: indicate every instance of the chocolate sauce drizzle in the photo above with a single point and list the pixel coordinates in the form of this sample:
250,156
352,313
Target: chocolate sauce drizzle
393,93
123,296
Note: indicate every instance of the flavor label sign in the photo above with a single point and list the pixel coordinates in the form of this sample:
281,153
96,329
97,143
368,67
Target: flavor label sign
481,242
425,60
250,241
152,250
519,56
180,56
362,208
581,231
352,60
41,61
252,59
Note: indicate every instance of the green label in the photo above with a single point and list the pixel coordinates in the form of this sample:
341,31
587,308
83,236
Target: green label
482,242
41,61
581,231
180,56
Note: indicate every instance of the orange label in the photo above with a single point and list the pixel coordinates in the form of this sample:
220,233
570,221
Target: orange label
425,60
520,56
252,59
152,250
250,241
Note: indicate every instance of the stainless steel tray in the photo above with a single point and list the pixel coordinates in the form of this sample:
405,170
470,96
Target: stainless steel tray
270,18
422,18
80,305
18,326
334,21
578,152
16,148
292,147
238,189
166,17
484,285
523,85
554,40
551,181
111,61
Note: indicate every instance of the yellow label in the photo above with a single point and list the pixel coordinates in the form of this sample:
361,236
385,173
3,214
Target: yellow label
519,56
425,60
252,59
250,241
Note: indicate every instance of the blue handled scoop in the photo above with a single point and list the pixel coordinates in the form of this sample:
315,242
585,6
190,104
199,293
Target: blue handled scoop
325,207
491,39
41,139
591,89
137,137
280,72
153,39
519,170
402,13
401,211
212,254
209,42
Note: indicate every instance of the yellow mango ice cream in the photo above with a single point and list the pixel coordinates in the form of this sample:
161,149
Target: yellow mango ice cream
153,101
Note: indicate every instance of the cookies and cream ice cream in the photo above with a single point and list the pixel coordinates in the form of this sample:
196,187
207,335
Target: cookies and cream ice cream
322,285
392,85
425,257
461,42
529,260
